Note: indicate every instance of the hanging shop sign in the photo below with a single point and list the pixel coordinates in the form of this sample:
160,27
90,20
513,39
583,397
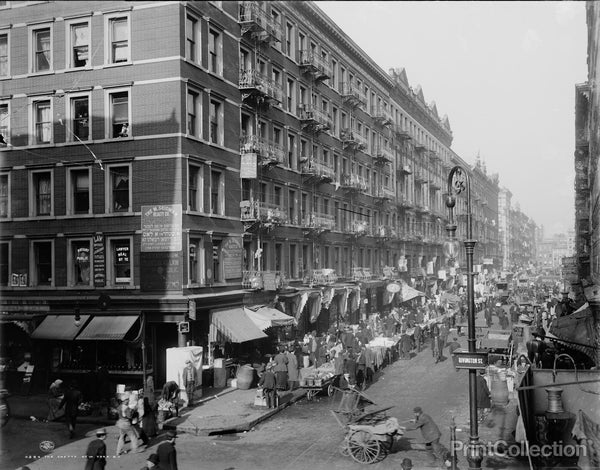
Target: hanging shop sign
183,327
161,228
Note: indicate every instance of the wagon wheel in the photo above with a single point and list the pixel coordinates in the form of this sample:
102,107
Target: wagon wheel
330,390
363,448
310,394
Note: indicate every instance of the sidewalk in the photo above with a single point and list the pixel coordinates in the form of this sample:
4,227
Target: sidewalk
229,411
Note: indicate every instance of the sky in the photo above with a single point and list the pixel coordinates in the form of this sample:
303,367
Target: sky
503,72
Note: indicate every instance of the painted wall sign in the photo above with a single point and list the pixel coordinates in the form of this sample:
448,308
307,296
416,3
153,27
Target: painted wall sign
99,261
161,228
232,249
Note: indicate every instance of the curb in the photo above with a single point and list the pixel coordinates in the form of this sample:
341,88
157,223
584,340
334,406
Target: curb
240,427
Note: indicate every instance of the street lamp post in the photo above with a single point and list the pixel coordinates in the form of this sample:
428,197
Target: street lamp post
459,182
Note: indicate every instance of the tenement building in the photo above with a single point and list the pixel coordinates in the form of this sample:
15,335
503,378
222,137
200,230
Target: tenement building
165,163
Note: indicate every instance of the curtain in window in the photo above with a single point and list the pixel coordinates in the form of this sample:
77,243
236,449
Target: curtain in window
80,41
42,47
44,195
44,122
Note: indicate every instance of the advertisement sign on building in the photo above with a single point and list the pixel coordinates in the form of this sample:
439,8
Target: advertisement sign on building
248,165
161,271
232,249
99,261
161,228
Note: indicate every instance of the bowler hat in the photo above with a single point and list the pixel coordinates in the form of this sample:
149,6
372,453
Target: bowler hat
417,409
171,434
101,432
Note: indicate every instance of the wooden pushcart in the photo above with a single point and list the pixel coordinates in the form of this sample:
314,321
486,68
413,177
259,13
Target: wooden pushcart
325,385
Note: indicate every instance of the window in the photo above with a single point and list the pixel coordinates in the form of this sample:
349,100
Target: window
291,152
196,261
80,115
278,256
301,43
293,273
334,77
120,262
80,263
277,78
4,68
290,40
334,120
277,196
119,189
4,263
276,22
4,196
216,192
118,114
42,263
118,40
291,96
79,48
216,122
4,122
41,193
292,209
193,111
217,253
42,121
42,50
80,191
215,52
195,188
192,36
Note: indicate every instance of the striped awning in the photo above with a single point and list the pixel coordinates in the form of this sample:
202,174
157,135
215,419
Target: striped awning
107,328
59,327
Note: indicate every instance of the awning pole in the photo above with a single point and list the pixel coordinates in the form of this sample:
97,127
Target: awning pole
144,353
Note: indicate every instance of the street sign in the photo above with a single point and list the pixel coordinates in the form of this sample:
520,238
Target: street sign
468,360
183,327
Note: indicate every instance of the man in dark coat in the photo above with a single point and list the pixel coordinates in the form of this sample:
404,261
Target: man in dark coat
71,401
268,383
417,335
483,396
435,342
96,452
430,432
167,455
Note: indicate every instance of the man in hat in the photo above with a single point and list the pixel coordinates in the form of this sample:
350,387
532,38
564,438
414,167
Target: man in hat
268,383
430,432
167,455
190,374
484,402
96,452
71,401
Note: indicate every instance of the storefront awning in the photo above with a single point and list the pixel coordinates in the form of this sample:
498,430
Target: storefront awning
59,327
266,317
408,293
235,324
107,328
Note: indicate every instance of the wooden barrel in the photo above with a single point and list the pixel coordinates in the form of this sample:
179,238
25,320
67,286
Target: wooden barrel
220,377
499,389
245,377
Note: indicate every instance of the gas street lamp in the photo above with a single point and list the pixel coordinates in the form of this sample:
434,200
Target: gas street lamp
458,183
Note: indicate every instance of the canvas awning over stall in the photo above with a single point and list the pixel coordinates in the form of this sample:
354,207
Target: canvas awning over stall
107,328
267,317
59,327
235,325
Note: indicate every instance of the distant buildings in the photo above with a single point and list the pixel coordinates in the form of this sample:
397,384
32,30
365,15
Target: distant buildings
551,251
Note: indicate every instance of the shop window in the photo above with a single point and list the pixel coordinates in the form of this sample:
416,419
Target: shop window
4,196
4,67
4,263
195,188
43,262
80,191
118,114
80,118
120,262
118,40
80,263
41,40
196,261
119,191
42,121
41,199
79,46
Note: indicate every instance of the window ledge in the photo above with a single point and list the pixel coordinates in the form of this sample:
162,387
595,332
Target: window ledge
118,64
39,74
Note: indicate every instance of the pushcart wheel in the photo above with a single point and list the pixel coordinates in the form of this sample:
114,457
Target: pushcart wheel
310,395
363,448
330,390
